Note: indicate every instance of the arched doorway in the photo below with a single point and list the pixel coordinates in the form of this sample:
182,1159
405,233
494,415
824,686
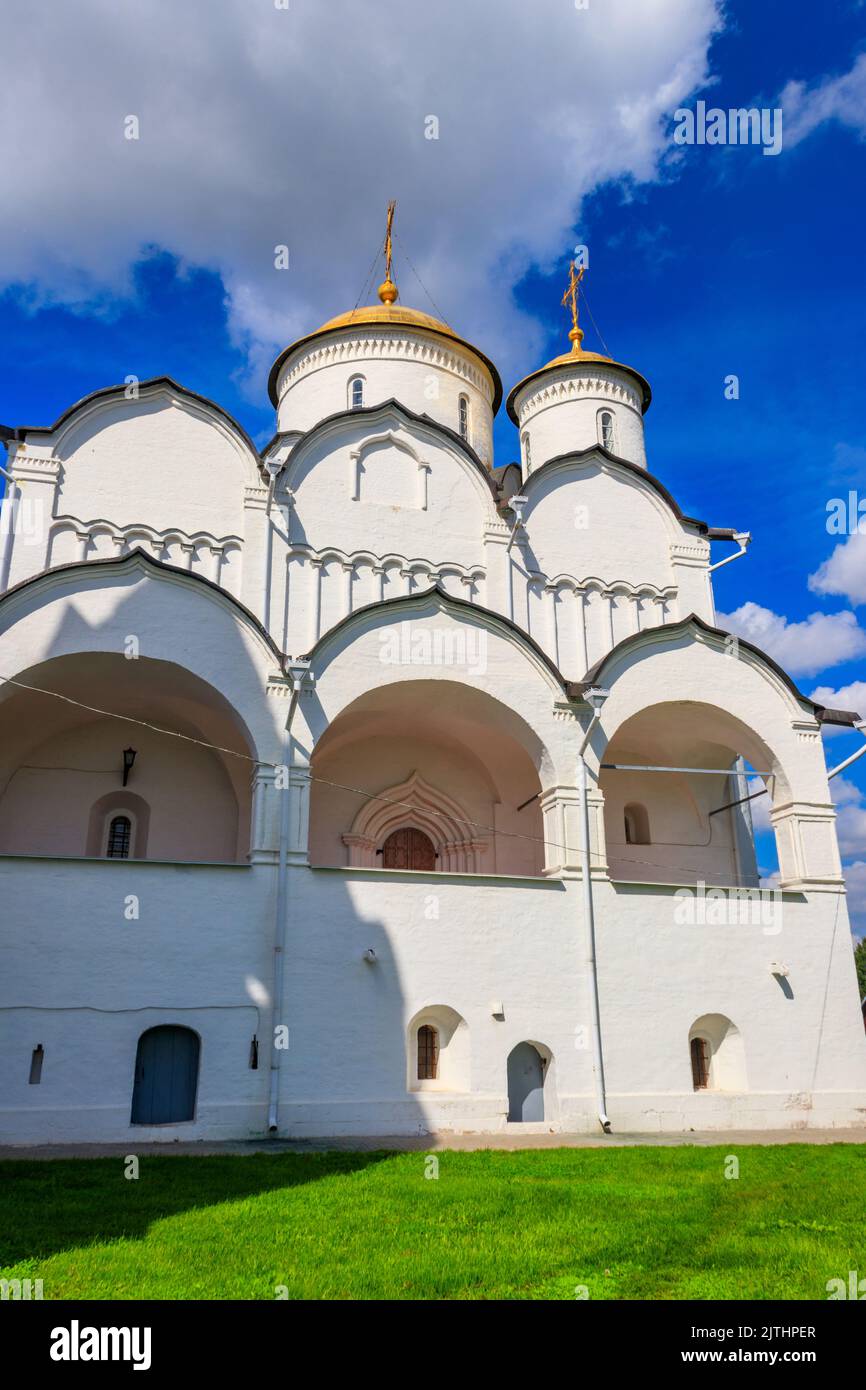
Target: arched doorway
166,1076
408,849
525,1084
439,757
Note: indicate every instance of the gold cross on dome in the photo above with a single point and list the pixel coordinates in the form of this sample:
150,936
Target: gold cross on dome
569,300
391,206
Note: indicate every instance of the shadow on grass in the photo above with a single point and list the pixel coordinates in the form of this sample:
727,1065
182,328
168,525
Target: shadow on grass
49,1207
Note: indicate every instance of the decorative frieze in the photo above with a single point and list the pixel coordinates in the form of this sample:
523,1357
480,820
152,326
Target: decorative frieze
385,346
574,387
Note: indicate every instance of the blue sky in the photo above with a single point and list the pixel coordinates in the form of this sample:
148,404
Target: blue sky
704,262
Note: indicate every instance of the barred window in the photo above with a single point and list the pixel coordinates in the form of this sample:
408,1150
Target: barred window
700,1064
119,836
428,1053
607,436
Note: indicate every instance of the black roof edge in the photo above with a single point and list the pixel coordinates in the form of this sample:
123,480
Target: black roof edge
116,561
7,432
163,380
452,601
392,404
639,472
593,674
721,533
836,716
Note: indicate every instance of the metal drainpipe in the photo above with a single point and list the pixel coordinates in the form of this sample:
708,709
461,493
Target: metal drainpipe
299,672
516,504
861,727
12,497
596,698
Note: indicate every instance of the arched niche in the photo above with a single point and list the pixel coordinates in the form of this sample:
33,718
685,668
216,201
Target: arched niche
451,1033
724,1053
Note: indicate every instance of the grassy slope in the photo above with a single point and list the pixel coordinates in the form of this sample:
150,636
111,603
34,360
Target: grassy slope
627,1223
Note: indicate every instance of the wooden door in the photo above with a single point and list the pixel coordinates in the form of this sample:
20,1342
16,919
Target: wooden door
409,849
166,1076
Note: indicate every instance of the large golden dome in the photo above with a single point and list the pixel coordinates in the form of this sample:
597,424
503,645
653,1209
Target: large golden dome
387,314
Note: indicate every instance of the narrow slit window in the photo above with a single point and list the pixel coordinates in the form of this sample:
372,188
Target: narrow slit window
464,417
636,825
36,1060
119,838
527,453
606,431
428,1053
356,393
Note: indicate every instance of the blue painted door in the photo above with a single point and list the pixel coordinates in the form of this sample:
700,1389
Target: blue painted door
525,1084
166,1076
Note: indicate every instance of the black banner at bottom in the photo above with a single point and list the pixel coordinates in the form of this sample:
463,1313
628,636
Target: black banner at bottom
81,1338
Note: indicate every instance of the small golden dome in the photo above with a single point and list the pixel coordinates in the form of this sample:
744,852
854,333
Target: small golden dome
578,358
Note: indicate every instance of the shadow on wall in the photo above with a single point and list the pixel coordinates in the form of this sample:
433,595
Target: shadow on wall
62,773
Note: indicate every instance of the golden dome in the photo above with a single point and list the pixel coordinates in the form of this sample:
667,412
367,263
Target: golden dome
387,314
578,358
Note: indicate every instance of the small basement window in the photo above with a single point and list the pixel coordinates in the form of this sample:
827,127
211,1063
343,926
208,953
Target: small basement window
428,1053
700,1064
36,1059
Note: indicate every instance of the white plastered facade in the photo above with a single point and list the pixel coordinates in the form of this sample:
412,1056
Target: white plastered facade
160,579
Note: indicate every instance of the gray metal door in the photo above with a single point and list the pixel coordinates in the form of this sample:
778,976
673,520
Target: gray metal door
166,1076
525,1084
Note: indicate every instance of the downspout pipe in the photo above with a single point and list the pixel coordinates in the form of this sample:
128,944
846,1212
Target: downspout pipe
7,526
516,504
744,540
861,726
299,672
274,468
594,697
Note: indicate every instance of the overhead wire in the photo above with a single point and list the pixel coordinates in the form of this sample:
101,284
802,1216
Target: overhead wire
358,791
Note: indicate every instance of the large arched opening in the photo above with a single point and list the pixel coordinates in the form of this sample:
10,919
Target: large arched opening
92,767
441,759
685,787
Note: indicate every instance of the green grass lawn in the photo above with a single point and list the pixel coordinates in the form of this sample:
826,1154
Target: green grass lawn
644,1223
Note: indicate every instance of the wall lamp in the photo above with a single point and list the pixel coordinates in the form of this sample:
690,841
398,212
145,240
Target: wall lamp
129,756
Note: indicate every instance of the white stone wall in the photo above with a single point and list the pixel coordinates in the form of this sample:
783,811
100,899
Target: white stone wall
560,411
426,373
369,511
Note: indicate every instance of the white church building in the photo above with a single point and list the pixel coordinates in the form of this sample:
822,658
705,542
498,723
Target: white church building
304,752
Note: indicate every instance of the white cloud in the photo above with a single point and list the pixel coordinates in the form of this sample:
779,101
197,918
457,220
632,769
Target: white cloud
818,642
844,572
840,99
262,126
855,879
